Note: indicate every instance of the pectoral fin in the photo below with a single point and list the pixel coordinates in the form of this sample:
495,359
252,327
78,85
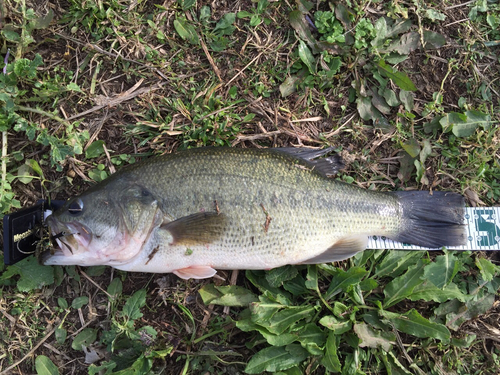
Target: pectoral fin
342,249
195,272
199,228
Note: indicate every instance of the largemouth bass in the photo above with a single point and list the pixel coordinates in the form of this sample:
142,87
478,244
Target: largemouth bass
196,211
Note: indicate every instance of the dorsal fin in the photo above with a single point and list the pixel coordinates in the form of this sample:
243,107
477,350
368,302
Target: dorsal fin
326,166
342,249
199,228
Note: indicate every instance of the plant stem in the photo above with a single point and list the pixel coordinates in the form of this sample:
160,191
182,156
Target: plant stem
44,113
4,158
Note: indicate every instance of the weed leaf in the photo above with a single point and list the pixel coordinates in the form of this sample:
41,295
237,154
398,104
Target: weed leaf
427,291
400,79
374,338
276,359
299,23
488,269
86,337
95,149
442,270
334,325
231,295
331,360
433,39
396,262
465,124
402,286
44,366
32,274
79,302
458,313
344,279
115,288
132,308
186,30
307,57
415,324
277,276
312,338
285,318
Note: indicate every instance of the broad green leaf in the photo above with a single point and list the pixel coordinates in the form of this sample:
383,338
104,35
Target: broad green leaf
299,23
379,102
285,318
186,31
488,269
396,262
433,39
374,338
367,111
44,366
36,167
465,124
312,338
307,57
79,302
225,25
24,174
32,274
442,270
247,325
406,98
334,325
132,308
63,304
416,325
275,359
402,286
390,97
115,288
463,312
426,151
86,337
60,334
232,295
400,79
331,360
296,286
412,147
404,45
11,35
312,277
288,87
95,149
186,4
344,279
434,15
427,291
277,276
43,21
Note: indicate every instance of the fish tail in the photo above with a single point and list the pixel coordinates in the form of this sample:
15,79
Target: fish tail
432,220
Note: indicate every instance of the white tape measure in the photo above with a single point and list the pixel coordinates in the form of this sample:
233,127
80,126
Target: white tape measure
483,232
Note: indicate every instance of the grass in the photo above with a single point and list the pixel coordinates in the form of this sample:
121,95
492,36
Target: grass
407,92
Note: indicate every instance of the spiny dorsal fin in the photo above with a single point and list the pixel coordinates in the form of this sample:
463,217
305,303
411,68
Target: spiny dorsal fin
202,227
342,249
328,166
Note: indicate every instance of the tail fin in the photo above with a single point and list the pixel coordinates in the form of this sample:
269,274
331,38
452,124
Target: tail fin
432,220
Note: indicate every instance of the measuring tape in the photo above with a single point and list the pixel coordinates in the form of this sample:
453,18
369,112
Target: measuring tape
483,232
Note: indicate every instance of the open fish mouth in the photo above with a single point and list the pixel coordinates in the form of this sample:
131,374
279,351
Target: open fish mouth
71,238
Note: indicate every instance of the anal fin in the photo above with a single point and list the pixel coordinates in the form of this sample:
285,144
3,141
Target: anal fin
195,272
342,249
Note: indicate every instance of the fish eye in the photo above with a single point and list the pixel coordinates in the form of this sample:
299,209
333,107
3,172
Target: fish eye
75,207
145,193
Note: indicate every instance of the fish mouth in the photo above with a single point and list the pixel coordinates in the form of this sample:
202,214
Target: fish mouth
72,239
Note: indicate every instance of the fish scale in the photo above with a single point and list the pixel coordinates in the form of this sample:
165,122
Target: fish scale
223,208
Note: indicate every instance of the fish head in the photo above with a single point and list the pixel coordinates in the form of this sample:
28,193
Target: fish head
107,225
